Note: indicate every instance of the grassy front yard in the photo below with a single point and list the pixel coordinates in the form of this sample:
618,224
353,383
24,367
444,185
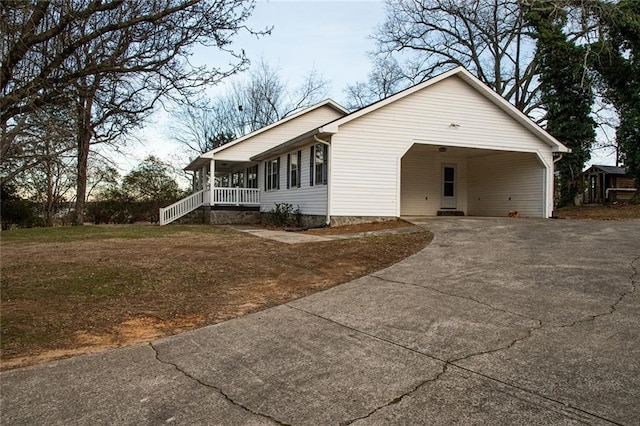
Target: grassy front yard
75,290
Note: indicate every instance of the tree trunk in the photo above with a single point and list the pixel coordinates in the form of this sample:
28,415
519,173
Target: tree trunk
49,202
84,140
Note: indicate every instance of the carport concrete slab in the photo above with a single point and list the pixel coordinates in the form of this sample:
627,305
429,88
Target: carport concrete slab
443,326
127,386
298,368
463,398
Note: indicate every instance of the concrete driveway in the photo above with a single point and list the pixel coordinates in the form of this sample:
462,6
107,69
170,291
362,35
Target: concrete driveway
498,321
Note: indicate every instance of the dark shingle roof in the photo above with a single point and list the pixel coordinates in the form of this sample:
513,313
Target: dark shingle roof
610,170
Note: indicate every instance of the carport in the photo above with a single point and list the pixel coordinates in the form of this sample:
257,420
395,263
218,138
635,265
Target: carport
438,179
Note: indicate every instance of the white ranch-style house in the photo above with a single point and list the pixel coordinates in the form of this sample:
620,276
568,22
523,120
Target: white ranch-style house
447,145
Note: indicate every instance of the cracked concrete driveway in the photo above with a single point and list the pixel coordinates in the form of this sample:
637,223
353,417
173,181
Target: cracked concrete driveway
498,321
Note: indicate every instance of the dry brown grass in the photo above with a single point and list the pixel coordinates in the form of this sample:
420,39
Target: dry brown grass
600,212
70,291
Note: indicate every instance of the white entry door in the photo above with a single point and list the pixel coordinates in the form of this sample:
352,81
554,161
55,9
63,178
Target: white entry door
448,186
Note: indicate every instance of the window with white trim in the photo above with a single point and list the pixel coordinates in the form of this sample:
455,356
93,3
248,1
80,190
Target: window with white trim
293,169
252,177
237,180
319,161
272,174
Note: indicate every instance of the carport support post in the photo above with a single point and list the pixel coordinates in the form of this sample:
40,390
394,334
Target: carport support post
212,181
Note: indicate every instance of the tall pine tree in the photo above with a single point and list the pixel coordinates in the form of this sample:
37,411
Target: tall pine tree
566,94
615,59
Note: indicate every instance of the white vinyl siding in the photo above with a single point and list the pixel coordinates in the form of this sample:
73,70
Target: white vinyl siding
277,135
506,182
366,152
421,189
272,174
312,200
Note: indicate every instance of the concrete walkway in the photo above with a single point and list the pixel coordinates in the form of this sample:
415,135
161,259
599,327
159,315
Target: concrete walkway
300,238
498,321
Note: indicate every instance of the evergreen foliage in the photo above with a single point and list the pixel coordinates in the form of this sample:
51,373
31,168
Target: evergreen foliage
615,59
15,210
567,96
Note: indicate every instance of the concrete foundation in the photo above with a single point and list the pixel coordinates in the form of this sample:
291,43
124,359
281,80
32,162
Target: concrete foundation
312,220
354,220
205,215
253,217
231,217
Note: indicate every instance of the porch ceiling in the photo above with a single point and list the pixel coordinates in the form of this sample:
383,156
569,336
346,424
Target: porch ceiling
223,167
451,151
197,164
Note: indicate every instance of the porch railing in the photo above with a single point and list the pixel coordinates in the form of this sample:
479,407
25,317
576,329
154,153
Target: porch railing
221,196
236,196
180,208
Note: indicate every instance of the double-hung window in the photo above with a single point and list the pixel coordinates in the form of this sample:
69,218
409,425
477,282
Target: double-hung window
252,177
319,160
237,180
272,174
293,169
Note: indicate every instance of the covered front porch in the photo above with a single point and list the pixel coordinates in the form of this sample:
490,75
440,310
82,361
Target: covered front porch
216,183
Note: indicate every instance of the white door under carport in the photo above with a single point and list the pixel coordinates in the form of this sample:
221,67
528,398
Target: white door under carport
487,182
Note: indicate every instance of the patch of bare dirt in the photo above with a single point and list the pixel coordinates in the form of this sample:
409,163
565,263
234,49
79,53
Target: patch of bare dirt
130,332
64,298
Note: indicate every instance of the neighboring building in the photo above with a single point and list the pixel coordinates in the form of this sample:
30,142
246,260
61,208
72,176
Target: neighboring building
449,144
607,184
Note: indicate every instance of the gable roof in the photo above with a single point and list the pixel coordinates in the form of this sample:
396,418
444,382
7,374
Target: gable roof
204,158
475,83
326,102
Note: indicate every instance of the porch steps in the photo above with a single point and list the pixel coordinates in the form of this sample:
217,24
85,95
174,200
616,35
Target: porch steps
450,213
181,208
234,199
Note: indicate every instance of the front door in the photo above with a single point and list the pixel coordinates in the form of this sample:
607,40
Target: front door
448,187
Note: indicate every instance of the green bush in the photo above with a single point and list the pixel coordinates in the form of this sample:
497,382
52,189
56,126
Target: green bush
283,214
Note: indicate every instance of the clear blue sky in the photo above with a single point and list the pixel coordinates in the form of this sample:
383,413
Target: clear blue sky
332,36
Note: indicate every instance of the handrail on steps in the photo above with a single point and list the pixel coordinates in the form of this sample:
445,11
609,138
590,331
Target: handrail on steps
182,207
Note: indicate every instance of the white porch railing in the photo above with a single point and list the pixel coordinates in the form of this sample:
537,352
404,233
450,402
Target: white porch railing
180,208
236,196
221,196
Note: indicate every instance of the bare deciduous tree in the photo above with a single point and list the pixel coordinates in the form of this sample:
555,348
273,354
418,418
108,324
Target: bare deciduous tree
266,98
261,99
49,181
488,37
111,59
385,78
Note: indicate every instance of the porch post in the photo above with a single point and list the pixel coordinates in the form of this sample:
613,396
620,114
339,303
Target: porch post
212,180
